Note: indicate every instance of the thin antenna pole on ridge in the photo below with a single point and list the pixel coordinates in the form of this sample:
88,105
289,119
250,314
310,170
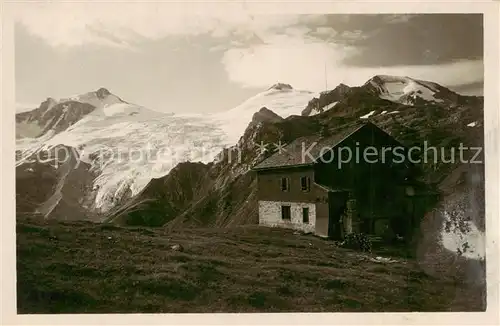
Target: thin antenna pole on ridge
326,79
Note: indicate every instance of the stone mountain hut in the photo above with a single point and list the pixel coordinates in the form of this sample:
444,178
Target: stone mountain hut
312,186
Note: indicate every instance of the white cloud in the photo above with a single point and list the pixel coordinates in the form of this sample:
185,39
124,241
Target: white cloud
401,18
353,35
302,64
328,31
292,56
78,23
297,31
288,59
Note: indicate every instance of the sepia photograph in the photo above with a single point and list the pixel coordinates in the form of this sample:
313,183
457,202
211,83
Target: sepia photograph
170,160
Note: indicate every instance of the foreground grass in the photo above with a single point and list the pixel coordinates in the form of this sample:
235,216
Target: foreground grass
88,268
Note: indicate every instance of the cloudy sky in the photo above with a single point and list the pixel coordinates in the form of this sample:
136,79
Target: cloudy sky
176,59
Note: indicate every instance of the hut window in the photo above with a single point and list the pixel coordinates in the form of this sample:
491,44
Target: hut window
285,184
305,183
285,213
305,214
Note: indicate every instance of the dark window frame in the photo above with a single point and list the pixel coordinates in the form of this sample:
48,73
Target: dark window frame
286,212
286,185
305,187
305,214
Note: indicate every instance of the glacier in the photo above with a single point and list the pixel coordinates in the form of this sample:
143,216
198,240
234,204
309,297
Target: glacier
128,145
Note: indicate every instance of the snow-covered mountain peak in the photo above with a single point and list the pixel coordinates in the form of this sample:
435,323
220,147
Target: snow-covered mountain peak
281,87
406,90
99,99
388,78
339,88
282,103
49,102
54,116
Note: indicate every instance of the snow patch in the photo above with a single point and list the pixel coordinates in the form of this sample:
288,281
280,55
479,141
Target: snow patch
119,108
380,259
404,90
329,106
50,106
325,108
366,116
466,238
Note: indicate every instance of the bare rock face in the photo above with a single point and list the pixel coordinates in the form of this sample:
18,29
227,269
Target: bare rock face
264,114
164,198
102,93
58,115
51,116
281,87
55,184
327,98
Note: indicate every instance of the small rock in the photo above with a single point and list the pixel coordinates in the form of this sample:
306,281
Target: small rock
177,247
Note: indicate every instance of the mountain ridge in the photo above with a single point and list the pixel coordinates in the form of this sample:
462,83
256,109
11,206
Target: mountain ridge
58,115
235,131
109,134
402,90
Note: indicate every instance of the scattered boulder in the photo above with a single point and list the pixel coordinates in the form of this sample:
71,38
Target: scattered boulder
177,247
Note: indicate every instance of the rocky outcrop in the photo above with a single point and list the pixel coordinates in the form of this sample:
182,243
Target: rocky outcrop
102,93
56,116
264,115
50,116
165,198
55,184
281,87
321,103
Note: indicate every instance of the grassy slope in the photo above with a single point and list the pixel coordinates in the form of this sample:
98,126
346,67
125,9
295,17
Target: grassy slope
75,267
